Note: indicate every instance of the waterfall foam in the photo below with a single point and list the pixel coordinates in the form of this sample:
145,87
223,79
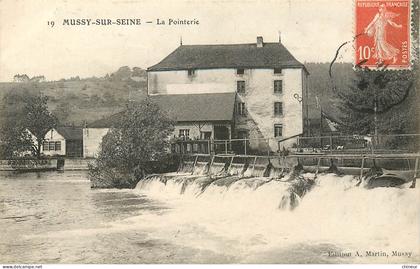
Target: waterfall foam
328,209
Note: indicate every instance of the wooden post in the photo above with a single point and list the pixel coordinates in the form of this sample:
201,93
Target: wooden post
361,168
331,144
416,167
195,162
283,163
230,165
298,144
245,141
253,166
226,144
211,164
317,167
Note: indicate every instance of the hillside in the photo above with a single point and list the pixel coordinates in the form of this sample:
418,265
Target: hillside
76,101
321,85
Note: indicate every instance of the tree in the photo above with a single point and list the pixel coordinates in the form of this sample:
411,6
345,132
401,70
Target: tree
129,149
16,140
377,96
38,120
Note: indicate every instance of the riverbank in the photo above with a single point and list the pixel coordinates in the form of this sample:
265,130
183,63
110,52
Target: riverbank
51,164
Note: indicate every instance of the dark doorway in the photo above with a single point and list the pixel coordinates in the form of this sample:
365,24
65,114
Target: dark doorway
74,148
241,146
221,132
205,135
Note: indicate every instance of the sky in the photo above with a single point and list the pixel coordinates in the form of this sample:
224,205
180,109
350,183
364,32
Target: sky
312,30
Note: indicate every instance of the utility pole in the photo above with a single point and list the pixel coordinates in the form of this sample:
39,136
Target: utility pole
375,116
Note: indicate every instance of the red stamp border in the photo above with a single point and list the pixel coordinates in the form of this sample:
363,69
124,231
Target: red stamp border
373,29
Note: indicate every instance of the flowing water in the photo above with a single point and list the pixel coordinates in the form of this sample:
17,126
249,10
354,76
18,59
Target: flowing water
192,218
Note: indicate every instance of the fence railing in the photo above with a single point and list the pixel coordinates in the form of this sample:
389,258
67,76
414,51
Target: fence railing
231,146
360,144
299,144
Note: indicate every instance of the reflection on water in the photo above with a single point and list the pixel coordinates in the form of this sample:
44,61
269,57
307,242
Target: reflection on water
56,218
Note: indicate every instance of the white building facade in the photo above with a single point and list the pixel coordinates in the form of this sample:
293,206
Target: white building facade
92,139
270,86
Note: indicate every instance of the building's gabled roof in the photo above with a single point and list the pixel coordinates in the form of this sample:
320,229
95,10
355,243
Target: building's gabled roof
108,122
185,107
271,55
70,133
197,107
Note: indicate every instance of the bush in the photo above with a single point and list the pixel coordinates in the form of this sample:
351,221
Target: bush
131,149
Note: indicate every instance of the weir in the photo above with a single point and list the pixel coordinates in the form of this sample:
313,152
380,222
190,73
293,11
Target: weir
200,175
205,171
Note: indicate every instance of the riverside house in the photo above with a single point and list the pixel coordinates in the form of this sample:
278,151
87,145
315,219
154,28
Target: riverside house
256,91
220,92
63,141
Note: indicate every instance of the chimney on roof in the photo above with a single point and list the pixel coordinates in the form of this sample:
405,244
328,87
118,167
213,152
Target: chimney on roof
260,42
279,36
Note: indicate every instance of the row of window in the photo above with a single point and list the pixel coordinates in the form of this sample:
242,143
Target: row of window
185,133
51,145
239,71
278,132
278,108
278,86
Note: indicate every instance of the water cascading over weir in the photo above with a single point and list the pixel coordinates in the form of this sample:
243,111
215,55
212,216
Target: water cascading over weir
200,174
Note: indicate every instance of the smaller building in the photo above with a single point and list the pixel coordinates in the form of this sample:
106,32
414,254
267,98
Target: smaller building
94,132
63,141
200,116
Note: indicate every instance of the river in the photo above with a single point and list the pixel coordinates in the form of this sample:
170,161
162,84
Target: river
54,217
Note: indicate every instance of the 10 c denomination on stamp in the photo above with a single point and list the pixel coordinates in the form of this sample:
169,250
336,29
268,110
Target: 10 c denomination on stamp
383,34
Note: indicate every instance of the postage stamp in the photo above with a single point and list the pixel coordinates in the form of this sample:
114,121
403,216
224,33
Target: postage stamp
382,34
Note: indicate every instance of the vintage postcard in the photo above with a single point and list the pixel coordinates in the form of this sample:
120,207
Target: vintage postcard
140,132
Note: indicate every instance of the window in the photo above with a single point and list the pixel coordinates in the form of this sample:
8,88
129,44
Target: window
184,133
205,135
240,108
278,108
240,71
278,130
51,145
240,86
277,70
45,146
191,72
278,86
58,145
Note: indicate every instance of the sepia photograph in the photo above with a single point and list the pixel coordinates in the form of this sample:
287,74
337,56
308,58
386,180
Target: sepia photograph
222,132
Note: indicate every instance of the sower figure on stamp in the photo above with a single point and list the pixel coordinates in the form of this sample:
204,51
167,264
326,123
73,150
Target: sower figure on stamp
377,29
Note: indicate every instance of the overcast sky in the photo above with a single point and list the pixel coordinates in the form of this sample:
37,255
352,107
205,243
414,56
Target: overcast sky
311,29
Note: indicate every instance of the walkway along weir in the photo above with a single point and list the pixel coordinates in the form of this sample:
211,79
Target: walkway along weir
390,166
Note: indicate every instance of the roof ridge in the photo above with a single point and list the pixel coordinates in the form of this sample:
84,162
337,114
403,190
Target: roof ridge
244,55
229,44
205,93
